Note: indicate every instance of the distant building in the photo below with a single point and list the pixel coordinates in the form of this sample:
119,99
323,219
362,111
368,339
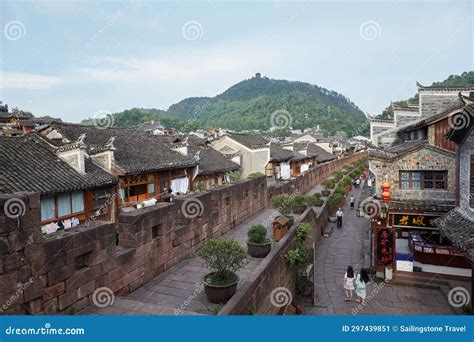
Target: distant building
153,127
14,123
420,166
432,100
251,152
72,186
145,166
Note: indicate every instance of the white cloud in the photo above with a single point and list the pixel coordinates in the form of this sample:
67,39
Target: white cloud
28,81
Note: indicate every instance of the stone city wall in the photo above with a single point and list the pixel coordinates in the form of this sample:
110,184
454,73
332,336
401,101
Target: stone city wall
58,273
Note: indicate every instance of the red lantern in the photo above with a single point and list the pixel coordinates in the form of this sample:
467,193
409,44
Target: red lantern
386,192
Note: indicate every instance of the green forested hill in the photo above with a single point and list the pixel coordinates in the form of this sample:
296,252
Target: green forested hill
463,80
249,104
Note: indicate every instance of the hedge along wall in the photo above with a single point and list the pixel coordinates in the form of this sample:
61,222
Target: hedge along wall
312,177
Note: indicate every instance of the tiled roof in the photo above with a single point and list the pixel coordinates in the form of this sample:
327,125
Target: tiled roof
297,156
423,205
429,120
304,146
149,126
323,155
46,120
462,125
211,161
450,88
396,151
278,153
251,141
458,229
135,150
29,163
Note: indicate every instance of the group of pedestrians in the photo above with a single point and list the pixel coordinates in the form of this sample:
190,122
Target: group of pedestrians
358,284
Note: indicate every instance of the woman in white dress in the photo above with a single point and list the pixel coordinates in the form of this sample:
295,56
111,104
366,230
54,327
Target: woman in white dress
360,283
349,283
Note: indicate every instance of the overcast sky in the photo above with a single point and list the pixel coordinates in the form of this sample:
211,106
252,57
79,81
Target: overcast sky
73,59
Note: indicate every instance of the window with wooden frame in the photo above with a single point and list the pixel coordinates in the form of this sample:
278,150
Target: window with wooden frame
423,180
62,206
138,188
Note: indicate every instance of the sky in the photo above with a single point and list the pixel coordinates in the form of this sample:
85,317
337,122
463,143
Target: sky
71,59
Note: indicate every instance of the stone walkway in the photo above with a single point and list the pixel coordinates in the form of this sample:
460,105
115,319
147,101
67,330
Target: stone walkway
350,246
179,290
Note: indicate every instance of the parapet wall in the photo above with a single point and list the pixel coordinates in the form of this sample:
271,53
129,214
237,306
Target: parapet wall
59,273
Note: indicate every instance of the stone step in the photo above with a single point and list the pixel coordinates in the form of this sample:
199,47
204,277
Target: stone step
415,280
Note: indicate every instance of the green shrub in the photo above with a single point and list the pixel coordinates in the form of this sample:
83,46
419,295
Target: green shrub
234,176
337,175
255,175
302,231
340,191
347,181
301,200
223,257
335,199
329,183
200,186
283,203
258,234
312,199
299,257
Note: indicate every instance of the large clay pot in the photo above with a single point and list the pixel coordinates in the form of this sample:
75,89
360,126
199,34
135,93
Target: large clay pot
325,192
318,203
299,209
219,293
258,250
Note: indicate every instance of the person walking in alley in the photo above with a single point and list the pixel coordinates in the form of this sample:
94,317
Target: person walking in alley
349,283
352,200
360,285
339,215
358,182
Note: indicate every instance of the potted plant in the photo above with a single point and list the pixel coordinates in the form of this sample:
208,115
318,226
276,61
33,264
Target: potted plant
224,257
300,204
258,245
284,204
329,183
316,200
325,192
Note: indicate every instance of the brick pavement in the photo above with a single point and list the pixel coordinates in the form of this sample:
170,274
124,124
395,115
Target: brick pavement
350,246
179,290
